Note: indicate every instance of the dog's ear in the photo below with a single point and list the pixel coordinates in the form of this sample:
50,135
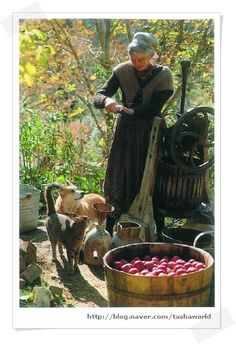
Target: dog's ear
61,187
58,185
70,184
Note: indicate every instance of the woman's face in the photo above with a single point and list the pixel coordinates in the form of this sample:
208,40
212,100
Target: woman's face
140,61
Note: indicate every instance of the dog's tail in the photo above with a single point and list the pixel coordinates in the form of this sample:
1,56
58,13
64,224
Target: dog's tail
49,199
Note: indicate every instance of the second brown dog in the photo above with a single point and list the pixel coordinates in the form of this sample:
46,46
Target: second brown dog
64,231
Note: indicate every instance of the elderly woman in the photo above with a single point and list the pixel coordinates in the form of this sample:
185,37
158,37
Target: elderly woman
145,87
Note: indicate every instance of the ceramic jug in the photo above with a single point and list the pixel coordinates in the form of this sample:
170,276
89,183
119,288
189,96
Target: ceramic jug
127,232
97,241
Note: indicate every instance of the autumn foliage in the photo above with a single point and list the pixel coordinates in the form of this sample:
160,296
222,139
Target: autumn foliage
62,64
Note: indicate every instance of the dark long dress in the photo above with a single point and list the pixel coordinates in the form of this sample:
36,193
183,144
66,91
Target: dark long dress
130,142
126,162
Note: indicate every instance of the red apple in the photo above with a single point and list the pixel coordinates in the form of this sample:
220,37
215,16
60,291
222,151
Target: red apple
191,260
147,257
171,264
164,260
171,273
194,263
190,270
180,261
126,267
187,265
160,267
144,272
133,271
149,265
174,258
163,264
156,257
118,264
177,266
155,260
134,259
156,272
139,264
180,271
200,266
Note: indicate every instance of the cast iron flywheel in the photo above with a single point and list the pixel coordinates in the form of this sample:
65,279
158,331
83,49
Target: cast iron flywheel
192,139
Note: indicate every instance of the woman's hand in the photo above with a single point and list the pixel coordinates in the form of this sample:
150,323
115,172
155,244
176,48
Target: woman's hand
129,111
112,106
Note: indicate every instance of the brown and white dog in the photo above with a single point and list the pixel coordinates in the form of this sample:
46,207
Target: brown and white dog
73,201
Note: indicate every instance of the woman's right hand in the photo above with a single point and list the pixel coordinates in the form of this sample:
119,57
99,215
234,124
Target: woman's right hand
112,106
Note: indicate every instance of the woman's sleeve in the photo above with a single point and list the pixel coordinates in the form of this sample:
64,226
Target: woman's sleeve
107,90
155,106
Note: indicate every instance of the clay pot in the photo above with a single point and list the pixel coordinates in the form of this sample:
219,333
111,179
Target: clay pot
96,244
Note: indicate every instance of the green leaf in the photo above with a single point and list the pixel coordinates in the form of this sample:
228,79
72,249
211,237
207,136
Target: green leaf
43,60
61,179
40,35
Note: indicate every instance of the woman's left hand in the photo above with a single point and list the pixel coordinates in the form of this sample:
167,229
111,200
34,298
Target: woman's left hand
129,111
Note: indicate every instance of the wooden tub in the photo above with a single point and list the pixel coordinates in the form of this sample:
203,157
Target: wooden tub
127,290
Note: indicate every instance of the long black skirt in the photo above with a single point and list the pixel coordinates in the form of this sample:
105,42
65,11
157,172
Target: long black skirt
126,162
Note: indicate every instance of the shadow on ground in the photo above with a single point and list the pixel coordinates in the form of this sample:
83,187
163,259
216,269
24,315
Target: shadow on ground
37,235
97,271
80,289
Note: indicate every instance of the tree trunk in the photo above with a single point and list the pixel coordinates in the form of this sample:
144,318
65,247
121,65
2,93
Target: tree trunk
128,29
104,28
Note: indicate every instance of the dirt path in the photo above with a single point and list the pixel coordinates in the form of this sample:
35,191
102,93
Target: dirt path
85,288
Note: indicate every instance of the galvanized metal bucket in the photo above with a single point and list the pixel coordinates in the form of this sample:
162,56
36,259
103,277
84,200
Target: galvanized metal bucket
29,207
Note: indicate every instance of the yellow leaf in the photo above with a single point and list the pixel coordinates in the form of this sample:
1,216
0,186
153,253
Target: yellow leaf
42,97
22,68
30,69
54,77
49,49
76,112
93,77
79,110
28,79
